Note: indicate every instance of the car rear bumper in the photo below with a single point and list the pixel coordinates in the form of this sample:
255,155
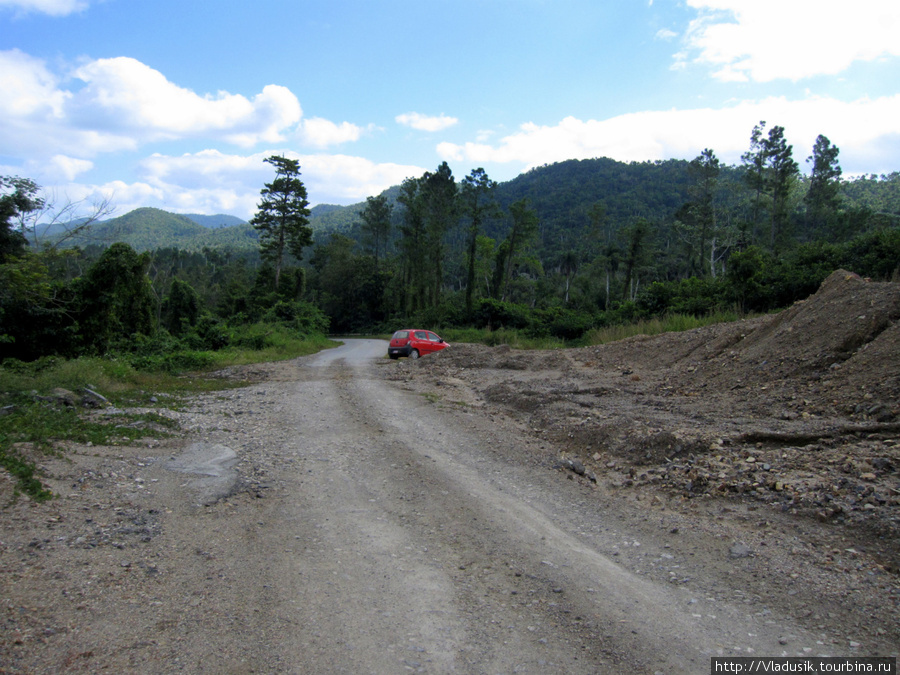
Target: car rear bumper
399,351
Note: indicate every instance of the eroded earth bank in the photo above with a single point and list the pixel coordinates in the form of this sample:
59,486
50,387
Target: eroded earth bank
636,507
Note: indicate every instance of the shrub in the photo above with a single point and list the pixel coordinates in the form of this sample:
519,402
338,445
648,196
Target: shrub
303,317
174,362
253,337
490,313
211,333
561,323
695,295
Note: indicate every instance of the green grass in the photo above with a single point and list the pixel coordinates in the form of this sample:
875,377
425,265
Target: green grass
597,336
502,336
31,425
671,323
40,426
23,472
278,347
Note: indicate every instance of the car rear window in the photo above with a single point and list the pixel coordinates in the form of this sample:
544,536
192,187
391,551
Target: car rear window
401,335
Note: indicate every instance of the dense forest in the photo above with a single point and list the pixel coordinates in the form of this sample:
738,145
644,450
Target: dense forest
559,250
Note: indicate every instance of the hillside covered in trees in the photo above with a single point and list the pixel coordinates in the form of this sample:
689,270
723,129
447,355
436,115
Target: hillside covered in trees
556,252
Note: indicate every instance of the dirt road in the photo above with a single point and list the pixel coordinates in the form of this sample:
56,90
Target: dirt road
330,520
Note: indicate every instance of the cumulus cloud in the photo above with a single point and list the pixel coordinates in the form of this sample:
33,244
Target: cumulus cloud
426,122
51,7
107,105
767,40
865,131
322,133
28,88
128,96
61,168
35,109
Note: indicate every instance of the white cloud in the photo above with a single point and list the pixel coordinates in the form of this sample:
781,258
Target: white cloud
767,40
865,130
321,133
28,88
123,104
665,34
126,95
344,179
35,112
425,122
61,169
51,7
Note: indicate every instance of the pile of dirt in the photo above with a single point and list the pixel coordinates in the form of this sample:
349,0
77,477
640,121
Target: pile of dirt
799,411
846,332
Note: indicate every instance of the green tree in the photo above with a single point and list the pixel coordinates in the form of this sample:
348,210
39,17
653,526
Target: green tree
412,245
521,235
346,285
780,179
636,255
282,219
441,208
376,225
697,223
181,308
568,267
477,197
19,199
704,171
754,165
823,198
116,300
746,277
608,257
35,318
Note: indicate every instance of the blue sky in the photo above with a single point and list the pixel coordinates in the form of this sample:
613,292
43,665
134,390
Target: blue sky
176,104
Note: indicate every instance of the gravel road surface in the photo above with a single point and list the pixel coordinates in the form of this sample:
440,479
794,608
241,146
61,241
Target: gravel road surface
328,520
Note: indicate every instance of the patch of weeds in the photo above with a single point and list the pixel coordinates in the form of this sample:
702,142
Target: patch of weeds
461,404
124,427
156,418
23,472
431,397
44,426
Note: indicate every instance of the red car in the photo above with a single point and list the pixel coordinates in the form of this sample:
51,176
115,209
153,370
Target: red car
414,342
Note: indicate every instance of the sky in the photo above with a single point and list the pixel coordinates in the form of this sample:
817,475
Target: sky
176,105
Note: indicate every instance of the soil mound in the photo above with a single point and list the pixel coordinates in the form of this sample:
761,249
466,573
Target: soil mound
830,331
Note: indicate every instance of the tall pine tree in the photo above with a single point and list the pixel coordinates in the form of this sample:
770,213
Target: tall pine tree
283,217
823,198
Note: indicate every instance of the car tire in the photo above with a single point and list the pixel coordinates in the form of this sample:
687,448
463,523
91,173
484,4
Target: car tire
414,354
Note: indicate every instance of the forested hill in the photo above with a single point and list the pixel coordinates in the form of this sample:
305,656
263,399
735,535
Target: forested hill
575,198
568,197
147,229
561,194
218,220
564,194
567,190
